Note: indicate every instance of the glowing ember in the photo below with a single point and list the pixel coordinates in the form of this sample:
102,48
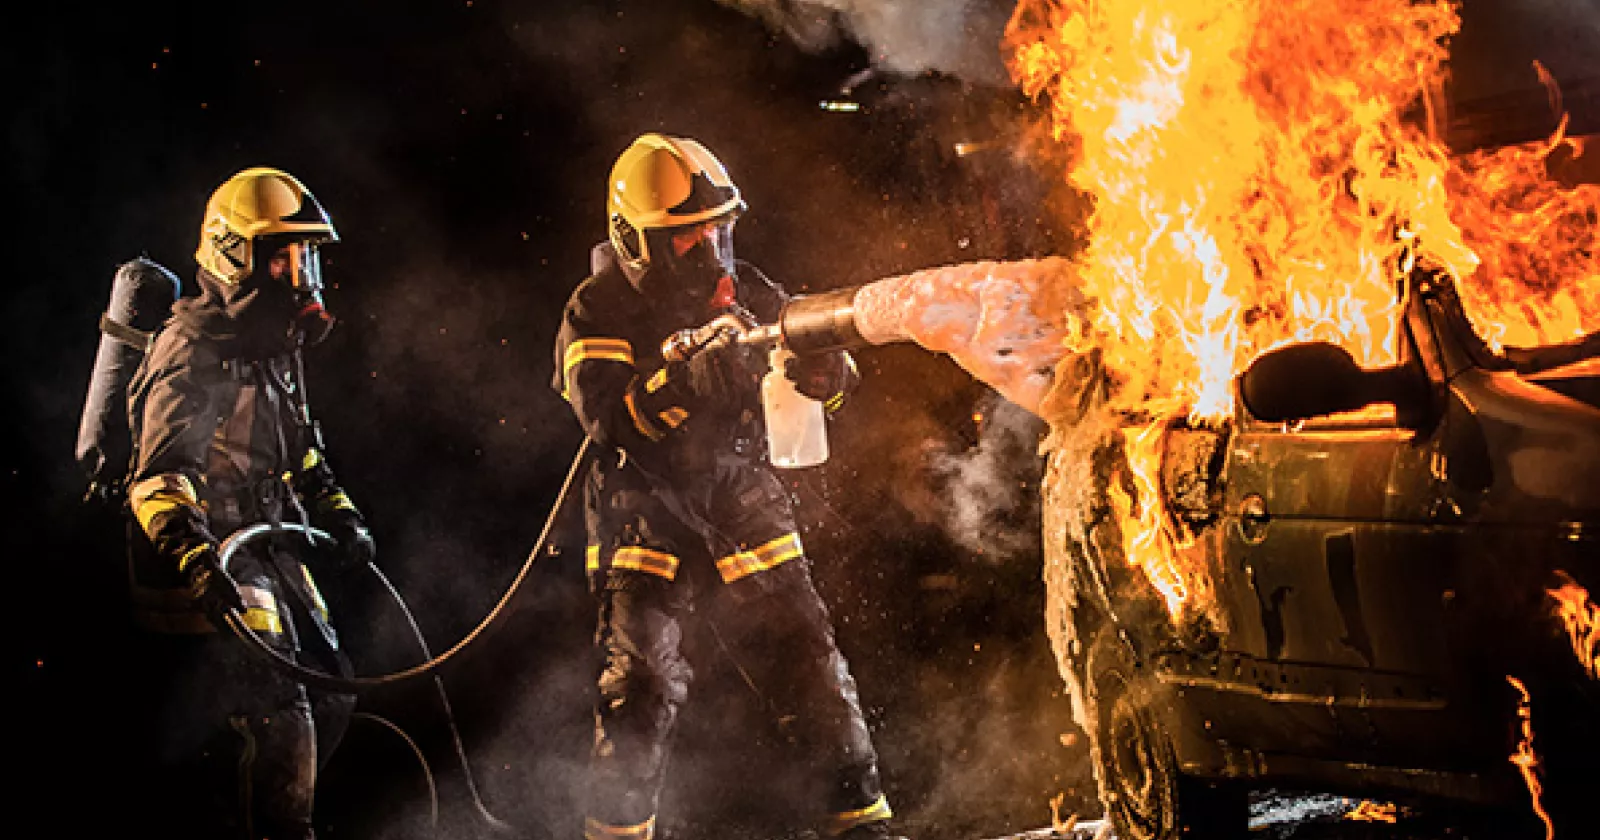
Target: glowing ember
1369,811
1526,760
1582,619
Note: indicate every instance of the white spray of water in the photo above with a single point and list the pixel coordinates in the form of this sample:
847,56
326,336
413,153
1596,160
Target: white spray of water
1006,323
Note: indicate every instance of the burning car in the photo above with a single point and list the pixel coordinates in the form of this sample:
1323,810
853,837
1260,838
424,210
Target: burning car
1365,556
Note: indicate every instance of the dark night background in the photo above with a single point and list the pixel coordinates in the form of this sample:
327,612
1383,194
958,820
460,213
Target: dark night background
462,149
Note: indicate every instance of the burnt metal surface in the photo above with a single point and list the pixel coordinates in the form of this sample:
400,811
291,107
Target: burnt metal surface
1377,574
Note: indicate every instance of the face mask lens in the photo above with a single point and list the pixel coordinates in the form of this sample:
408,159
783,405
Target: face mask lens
305,268
721,242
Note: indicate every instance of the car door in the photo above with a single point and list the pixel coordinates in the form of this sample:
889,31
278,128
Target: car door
1338,563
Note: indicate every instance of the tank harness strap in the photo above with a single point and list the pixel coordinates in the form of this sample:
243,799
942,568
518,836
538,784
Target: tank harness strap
135,338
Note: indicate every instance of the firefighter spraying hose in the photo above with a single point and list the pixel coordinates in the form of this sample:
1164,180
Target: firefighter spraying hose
225,454
1006,322
806,325
813,324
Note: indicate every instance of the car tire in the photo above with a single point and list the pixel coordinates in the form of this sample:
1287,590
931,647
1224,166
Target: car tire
1145,794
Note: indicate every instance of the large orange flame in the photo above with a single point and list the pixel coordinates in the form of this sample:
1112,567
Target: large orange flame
1539,242
1264,172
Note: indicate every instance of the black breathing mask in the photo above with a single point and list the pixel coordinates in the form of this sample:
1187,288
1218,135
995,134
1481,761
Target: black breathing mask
296,266
687,280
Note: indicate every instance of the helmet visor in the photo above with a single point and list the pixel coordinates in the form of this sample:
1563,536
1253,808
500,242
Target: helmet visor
302,268
716,238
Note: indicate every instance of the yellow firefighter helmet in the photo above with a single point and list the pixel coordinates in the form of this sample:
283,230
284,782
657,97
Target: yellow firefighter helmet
660,183
260,201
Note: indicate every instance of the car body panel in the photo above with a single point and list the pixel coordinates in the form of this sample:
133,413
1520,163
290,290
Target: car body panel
1376,574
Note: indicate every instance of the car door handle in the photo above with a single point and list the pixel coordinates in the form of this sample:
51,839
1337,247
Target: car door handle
1253,518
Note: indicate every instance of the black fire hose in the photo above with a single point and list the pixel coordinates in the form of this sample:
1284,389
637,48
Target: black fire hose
331,682
346,685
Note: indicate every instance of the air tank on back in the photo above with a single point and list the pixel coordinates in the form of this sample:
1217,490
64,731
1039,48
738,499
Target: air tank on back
142,294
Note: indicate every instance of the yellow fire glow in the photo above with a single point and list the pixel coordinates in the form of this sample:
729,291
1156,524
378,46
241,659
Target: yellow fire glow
1264,172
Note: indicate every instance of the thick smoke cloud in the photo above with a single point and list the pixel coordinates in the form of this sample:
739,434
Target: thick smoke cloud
957,37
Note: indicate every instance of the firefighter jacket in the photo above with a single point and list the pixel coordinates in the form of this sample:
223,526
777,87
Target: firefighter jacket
673,480
221,441
680,501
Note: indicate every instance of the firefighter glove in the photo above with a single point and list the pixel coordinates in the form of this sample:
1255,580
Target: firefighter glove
353,543
823,376
723,370
209,584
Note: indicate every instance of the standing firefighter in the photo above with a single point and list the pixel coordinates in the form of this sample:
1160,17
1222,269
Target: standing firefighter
223,439
680,504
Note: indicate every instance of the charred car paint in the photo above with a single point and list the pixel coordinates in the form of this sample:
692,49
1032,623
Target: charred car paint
1376,577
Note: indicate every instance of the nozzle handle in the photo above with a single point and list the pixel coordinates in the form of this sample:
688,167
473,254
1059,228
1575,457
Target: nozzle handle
684,343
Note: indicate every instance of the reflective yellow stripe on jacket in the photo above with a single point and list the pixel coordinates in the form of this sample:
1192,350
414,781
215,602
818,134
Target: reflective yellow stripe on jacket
759,559
840,823
594,829
590,350
159,494
336,500
645,427
635,558
173,612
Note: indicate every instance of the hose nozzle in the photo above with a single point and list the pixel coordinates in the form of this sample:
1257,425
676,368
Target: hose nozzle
684,343
820,323
807,325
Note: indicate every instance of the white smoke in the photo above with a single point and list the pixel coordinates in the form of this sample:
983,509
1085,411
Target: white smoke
957,37
989,491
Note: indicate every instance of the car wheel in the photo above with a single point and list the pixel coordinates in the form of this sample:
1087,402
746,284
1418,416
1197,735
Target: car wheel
1144,792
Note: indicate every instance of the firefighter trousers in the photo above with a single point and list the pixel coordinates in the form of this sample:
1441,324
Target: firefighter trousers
227,746
782,637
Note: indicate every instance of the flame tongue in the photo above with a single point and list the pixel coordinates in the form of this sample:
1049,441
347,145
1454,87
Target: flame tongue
1253,179
1540,278
1262,172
